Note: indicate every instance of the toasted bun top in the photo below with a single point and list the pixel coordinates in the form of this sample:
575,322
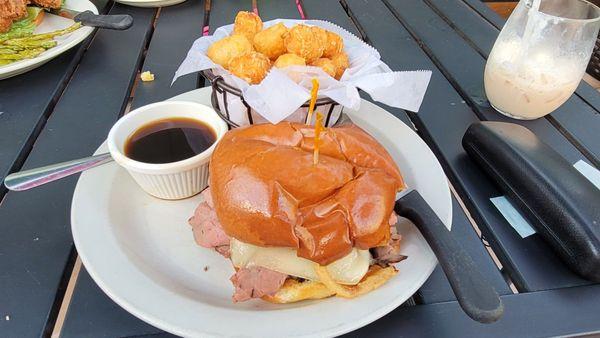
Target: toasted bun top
267,191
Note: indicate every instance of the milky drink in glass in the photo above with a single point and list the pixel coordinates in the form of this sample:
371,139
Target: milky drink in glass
540,56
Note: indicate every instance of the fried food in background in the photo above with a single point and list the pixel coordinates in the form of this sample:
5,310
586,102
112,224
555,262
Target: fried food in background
247,24
289,59
222,51
334,44
326,64
303,42
11,10
341,63
270,41
55,4
252,67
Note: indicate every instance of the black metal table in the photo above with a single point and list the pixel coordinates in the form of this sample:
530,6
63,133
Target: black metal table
65,109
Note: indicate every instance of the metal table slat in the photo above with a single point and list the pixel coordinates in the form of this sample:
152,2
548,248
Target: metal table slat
576,117
437,288
277,9
93,314
552,313
176,29
536,266
91,311
22,118
334,13
36,241
223,12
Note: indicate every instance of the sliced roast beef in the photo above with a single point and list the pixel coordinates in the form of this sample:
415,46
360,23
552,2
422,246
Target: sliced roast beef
393,220
207,230
390,253
255,282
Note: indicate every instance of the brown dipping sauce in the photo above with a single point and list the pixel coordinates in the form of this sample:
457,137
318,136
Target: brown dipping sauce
169,140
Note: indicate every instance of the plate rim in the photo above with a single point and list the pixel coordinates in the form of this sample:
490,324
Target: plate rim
177,329
150,3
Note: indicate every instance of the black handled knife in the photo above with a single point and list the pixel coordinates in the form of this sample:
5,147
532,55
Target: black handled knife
88,18
474,293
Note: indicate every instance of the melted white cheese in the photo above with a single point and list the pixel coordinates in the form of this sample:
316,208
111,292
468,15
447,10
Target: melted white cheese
349,269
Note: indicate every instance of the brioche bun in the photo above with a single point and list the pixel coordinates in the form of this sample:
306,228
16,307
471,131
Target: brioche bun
267,191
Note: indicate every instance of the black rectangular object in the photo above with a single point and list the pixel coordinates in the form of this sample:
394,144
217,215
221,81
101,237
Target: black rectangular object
562,205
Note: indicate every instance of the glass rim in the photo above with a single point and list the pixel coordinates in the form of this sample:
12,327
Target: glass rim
596,9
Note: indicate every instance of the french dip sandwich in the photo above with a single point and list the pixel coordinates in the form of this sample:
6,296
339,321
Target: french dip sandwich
296,229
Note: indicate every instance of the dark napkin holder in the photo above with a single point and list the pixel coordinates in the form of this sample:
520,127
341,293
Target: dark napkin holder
560,203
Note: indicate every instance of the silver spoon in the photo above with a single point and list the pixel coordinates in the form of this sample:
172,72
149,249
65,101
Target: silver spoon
32,178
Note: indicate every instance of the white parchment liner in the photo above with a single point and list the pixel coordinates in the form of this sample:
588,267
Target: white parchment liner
283,91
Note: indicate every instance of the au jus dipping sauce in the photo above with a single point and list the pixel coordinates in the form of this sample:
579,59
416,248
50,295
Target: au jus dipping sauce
169,140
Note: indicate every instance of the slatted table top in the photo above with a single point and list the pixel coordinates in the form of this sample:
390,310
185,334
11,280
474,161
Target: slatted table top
65,109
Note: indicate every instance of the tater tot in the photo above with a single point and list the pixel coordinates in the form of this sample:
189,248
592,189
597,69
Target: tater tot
334,45
252,67
321,34
302,41
289,59
270,41
222,51
341,63
326,64
247,24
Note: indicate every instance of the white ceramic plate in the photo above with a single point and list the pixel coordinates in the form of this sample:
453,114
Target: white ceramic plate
150,3
65,42
141,252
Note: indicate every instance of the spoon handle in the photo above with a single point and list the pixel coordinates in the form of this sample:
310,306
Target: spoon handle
32,178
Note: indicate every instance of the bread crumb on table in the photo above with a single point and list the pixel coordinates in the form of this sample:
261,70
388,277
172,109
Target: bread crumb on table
147,76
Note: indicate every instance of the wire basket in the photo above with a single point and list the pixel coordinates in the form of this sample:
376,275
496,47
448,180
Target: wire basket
224,96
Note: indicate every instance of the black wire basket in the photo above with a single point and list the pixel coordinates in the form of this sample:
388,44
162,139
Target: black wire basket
223,93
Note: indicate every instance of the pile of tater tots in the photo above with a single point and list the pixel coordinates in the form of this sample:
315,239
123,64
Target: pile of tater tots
251,51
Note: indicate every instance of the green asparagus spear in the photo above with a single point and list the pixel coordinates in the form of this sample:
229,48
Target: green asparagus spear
17,47
10,49
48,43
45,36
13,35
26,54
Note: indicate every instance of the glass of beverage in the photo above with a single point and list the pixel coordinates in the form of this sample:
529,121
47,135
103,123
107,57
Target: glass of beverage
540,56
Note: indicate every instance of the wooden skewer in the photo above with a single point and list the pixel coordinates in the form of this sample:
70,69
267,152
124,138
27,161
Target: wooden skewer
313,99
318,129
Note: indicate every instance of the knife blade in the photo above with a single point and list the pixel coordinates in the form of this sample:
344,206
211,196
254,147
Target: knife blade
90,19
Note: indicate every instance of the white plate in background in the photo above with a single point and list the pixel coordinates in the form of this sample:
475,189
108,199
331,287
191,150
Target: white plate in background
150,3
52,23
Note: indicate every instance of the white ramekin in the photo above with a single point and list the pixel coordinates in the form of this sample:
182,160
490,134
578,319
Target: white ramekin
174,180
